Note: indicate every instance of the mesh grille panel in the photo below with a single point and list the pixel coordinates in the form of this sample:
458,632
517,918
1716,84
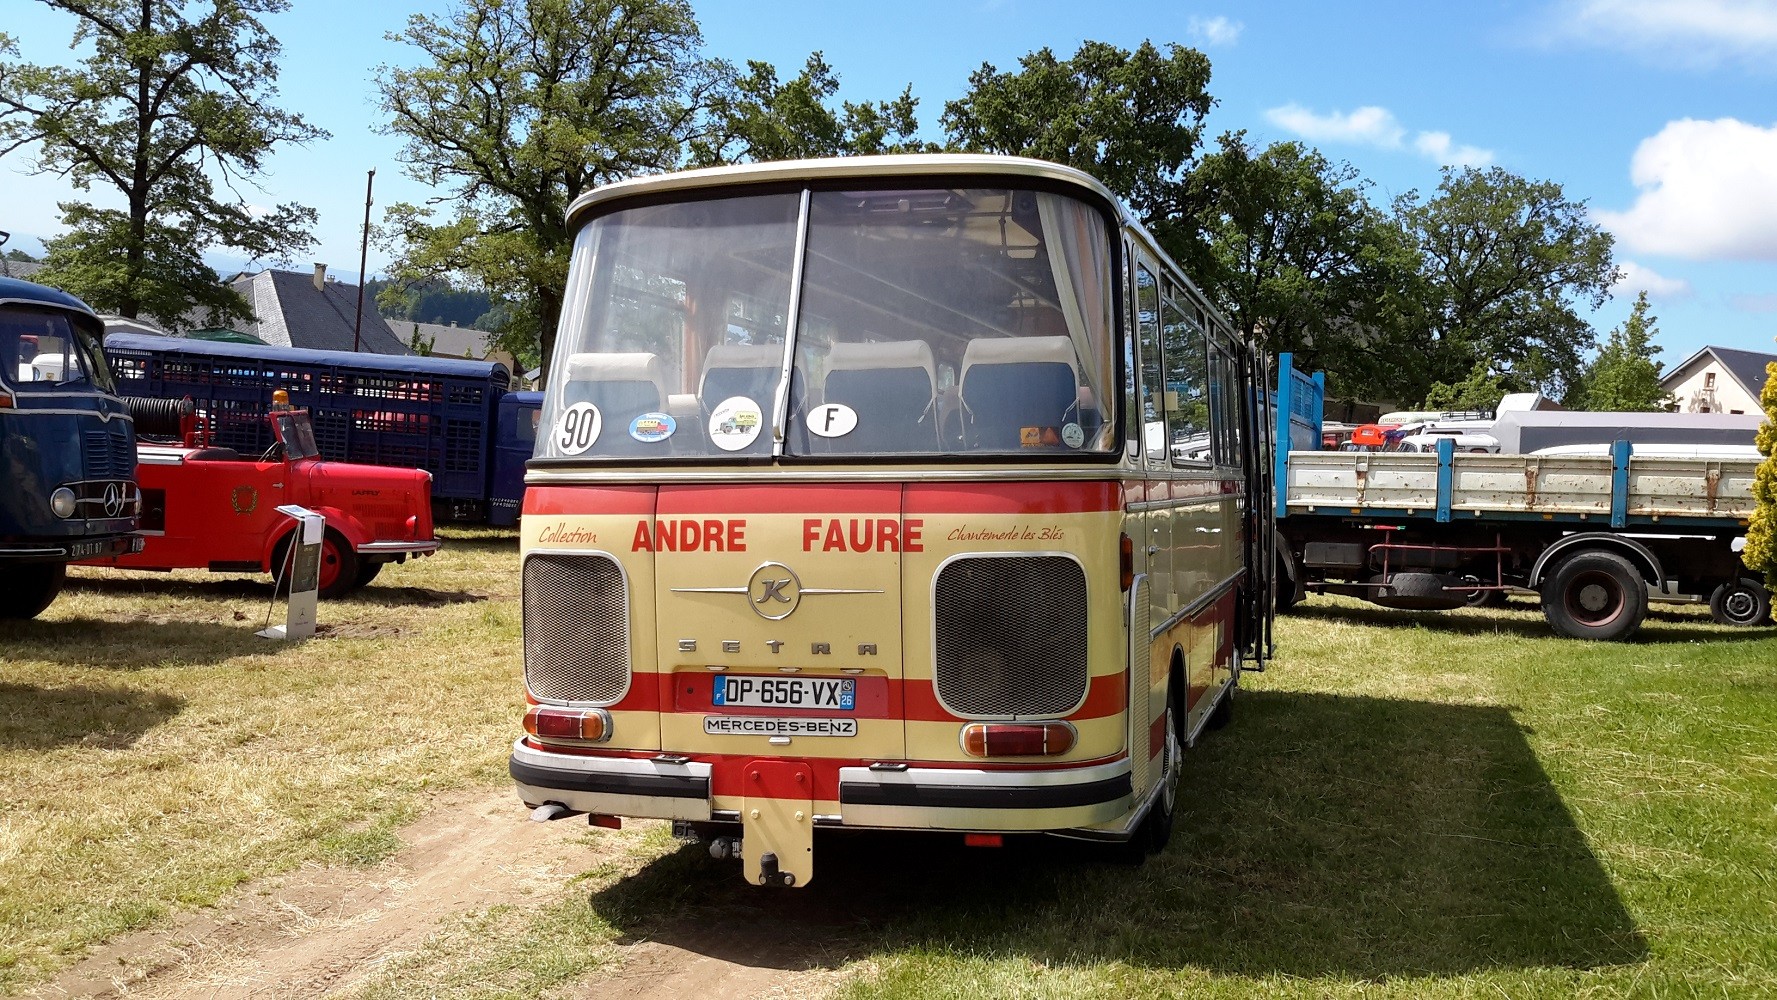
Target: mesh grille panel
1011,635
576,629
1141,622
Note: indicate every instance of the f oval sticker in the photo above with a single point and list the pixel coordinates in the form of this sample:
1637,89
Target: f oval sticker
831,420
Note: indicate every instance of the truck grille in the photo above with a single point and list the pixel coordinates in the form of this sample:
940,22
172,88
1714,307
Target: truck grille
576,629
1011,636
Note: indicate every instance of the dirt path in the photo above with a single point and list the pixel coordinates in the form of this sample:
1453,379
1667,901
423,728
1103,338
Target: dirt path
322,931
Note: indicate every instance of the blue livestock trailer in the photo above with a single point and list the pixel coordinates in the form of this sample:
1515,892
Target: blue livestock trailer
456,419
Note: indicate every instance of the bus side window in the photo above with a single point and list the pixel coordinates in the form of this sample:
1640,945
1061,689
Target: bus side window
1153,408
1187,384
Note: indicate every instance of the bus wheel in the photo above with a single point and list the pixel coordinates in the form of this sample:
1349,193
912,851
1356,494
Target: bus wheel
26,589
1156,827
1741,602
1595,595
1223,713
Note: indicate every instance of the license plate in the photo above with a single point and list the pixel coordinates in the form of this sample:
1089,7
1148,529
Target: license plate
757,725
87,550
786,692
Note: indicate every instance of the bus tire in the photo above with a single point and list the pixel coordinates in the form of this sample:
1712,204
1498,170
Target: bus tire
1223,713
28,588
1155,831
1595,595
1743,602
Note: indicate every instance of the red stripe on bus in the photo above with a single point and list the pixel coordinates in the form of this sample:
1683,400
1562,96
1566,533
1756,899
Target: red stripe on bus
877,697
1157,736
557,501
775,498
1013,498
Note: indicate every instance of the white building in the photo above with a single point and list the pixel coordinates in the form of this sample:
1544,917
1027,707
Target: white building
1718,380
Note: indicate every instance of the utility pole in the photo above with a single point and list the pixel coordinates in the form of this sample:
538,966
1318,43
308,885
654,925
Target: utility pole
363,259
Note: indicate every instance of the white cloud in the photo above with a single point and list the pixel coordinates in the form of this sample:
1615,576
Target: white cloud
1374,126
1216,30
1641,278
1708,191
1701,32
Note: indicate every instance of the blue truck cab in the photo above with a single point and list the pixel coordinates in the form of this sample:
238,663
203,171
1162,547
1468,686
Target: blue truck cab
67,447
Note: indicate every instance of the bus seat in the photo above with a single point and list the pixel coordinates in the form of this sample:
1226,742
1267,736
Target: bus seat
746,370
622,386
1014,383
891,387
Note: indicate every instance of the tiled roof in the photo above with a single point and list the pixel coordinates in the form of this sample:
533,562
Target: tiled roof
1747,367
293,313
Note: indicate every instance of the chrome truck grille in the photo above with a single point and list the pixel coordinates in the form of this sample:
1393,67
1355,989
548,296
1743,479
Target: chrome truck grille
576,629
1011,635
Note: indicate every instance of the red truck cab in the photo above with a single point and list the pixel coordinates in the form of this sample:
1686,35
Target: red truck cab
213,508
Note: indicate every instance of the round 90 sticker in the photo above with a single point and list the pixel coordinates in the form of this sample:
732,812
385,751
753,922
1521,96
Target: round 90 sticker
735,423
577,428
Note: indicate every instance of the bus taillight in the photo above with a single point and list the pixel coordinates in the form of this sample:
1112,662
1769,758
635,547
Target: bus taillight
1017,739
1125,562
592,724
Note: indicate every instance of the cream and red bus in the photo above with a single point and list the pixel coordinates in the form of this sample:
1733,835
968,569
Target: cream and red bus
906,493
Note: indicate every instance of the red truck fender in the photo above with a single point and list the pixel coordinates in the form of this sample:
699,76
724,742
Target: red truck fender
348,527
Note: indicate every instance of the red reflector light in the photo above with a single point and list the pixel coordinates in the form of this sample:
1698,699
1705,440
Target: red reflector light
1017,739
983,840
1125,562
592,725
606,822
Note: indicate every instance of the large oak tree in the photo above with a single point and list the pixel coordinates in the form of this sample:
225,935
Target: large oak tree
172,111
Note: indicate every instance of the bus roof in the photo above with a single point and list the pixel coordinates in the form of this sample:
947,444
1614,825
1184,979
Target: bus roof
401,363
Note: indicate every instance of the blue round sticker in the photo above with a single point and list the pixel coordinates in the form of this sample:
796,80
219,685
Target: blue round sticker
651,427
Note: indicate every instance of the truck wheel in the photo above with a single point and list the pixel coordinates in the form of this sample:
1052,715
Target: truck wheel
368,571
1595,595
26,589
338,574
1741,602
1482,598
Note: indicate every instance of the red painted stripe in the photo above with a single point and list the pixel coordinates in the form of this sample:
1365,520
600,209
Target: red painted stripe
1156,736
824,498
1013,498
878,697
696,693
566,500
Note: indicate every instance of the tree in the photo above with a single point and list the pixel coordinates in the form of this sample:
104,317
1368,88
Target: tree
1478,392
1290,249
1504,260
760,119
515,108
1131,119
1760,553
1625,376
163,110
20,256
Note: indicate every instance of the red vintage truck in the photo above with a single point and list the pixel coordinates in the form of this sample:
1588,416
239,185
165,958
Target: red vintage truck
213,508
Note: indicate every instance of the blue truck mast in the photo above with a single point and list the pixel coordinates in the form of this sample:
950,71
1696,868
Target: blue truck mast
454,418
1594,538
67,447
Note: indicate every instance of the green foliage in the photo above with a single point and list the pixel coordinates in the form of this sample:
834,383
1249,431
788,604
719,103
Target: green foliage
1131,119
1504,261
1761,535
510,111
1625,376
16,254
421,345
161,108
1479,392
760,119
434,301
1288,246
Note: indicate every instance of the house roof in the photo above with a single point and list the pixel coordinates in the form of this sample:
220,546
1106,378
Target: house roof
18,268
1745,367
448,341
293,313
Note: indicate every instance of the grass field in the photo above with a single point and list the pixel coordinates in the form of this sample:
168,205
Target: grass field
1406,805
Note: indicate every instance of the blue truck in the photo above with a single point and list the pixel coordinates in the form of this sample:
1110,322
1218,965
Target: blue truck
67,447
1594,537
456,419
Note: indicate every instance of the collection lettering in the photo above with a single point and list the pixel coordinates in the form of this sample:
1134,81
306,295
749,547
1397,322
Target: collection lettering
561,533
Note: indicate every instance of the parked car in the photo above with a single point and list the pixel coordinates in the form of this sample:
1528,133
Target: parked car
67,451
213,508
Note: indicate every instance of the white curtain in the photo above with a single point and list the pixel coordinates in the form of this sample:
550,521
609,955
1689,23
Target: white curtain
1079,258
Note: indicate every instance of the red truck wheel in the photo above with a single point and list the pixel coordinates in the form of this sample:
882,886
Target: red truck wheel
338,574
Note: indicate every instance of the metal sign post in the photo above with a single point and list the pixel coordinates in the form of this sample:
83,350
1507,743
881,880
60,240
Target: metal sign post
303,574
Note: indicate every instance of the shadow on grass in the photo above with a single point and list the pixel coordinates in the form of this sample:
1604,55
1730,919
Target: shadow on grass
1321,835
498,541
111,718
256,591
130,644
1657,629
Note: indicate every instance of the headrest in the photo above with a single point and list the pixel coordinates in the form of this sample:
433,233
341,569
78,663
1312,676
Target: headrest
883,356
744,356
1021,350
614,368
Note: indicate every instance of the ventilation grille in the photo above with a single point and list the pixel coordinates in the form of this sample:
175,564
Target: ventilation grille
108,456
1011,636
576,629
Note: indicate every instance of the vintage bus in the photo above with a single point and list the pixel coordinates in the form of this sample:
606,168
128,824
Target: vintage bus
908,493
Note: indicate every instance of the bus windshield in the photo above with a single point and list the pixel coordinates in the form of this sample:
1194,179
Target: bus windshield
966,321
41,348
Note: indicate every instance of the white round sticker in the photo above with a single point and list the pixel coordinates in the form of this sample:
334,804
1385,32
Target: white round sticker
735,423
577,428
1073,435
831,420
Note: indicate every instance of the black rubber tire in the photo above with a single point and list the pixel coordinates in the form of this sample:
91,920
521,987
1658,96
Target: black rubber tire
368,571
1595,595
1155,831
1289,591
334,547
1744,602
28,588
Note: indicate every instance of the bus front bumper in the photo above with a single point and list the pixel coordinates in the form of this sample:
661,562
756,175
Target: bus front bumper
893,798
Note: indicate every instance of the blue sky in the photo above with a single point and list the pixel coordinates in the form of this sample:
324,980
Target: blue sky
1661,115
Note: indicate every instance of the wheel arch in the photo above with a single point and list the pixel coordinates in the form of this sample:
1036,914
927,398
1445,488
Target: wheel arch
1638,554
